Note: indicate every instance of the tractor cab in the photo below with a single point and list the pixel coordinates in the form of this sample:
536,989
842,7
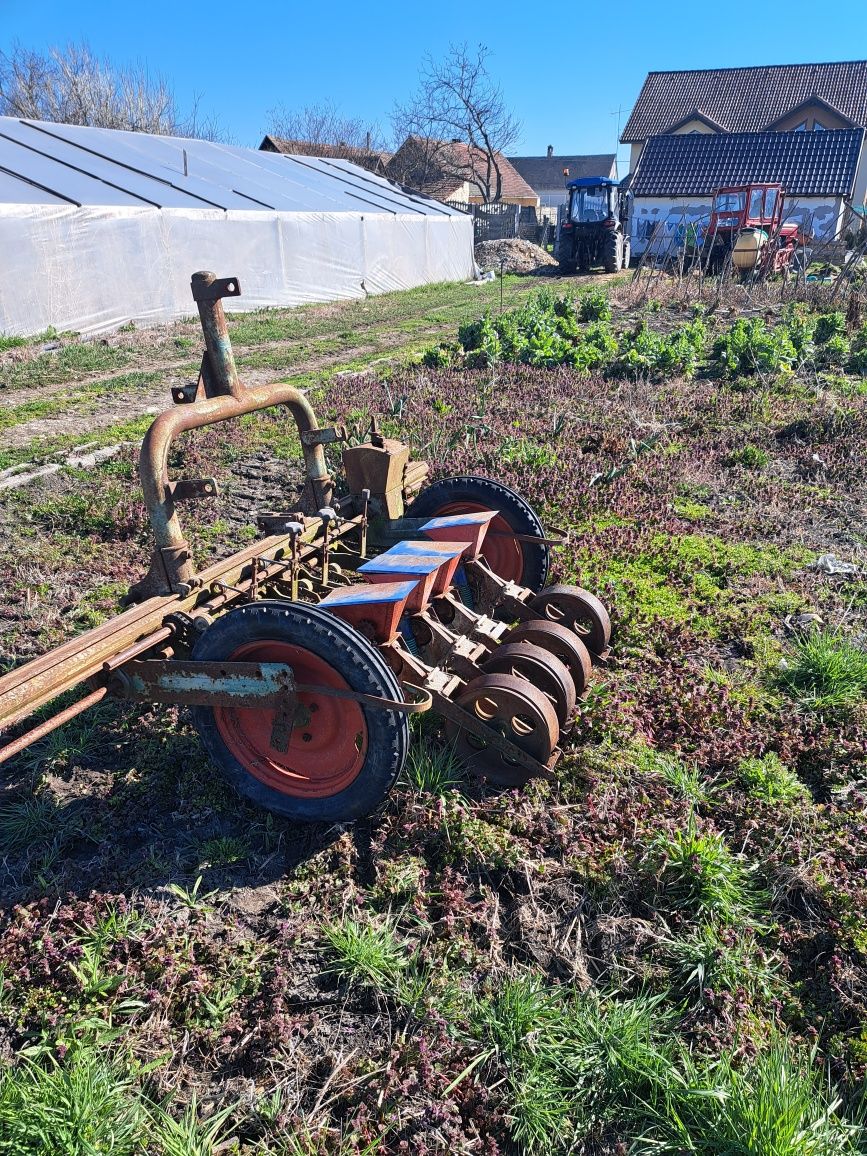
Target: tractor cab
592,200
748,207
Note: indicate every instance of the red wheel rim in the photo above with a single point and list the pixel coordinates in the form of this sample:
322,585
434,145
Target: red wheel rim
324,756
500,549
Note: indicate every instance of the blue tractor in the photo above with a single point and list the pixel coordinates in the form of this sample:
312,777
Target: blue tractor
594,228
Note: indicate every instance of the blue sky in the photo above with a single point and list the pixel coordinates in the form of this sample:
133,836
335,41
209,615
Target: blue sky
556,62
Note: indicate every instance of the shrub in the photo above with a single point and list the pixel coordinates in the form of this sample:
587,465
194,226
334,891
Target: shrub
828,326
593,305
857,362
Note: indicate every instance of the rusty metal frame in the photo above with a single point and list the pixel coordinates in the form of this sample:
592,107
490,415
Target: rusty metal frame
172,570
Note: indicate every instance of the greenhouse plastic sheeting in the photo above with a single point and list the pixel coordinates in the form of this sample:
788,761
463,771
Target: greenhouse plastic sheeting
85,246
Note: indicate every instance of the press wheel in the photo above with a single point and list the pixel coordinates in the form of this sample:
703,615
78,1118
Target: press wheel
513,708
577,609
541,669
559,641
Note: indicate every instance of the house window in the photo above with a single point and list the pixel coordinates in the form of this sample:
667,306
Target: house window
802,127
818,126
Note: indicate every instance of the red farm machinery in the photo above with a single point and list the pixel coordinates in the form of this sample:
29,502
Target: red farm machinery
302,655
748,232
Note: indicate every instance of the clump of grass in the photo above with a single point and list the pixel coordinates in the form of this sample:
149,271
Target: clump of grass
573,1064
712,958
770,780
749,456
433,769
776,1105
697,874
11,342
684,778
82,1106
827,671
366,953
25,822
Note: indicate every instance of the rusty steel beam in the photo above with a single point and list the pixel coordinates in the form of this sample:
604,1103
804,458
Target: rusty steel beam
28,687
52,724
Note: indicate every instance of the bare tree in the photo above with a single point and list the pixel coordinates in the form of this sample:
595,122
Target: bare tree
459,103
317,125
72,85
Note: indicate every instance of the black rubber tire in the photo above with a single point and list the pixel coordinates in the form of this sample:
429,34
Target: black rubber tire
611,255
356,660
567,268
491,495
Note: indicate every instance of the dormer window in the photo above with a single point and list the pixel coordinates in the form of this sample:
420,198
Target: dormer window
818,126
802,127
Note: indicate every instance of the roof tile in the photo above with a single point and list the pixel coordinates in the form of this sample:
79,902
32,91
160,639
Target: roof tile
746,99
806,164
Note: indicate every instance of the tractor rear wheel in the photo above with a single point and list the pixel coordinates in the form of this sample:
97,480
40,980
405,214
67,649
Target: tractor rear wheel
344,759
611,252
525,563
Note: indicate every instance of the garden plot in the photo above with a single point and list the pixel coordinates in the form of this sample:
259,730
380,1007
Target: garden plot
663,950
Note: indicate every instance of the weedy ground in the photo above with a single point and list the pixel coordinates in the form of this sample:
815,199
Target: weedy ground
663,951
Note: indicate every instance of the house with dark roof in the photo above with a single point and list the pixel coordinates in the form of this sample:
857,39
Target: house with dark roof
677,176
546,177
368,158
771,98
456,171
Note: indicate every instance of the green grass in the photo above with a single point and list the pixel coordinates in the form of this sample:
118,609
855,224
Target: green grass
78,1108
770,780
433,769
366,953
27,822
778,1104
696,874
11,342
826,671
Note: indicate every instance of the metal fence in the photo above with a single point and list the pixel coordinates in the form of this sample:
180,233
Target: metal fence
491,222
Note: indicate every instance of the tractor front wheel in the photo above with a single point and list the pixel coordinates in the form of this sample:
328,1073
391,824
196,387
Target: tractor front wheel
343,756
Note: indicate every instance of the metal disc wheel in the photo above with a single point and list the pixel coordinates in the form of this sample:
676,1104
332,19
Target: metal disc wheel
559,641
510,707
525,563
343,758
579,610
541,669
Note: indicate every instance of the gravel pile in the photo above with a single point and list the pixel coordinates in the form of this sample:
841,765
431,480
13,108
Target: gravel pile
517,257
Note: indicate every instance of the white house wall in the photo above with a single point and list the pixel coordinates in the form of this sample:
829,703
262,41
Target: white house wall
660,218
94,268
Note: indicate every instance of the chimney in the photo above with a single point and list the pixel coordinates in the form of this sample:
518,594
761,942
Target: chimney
550,150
